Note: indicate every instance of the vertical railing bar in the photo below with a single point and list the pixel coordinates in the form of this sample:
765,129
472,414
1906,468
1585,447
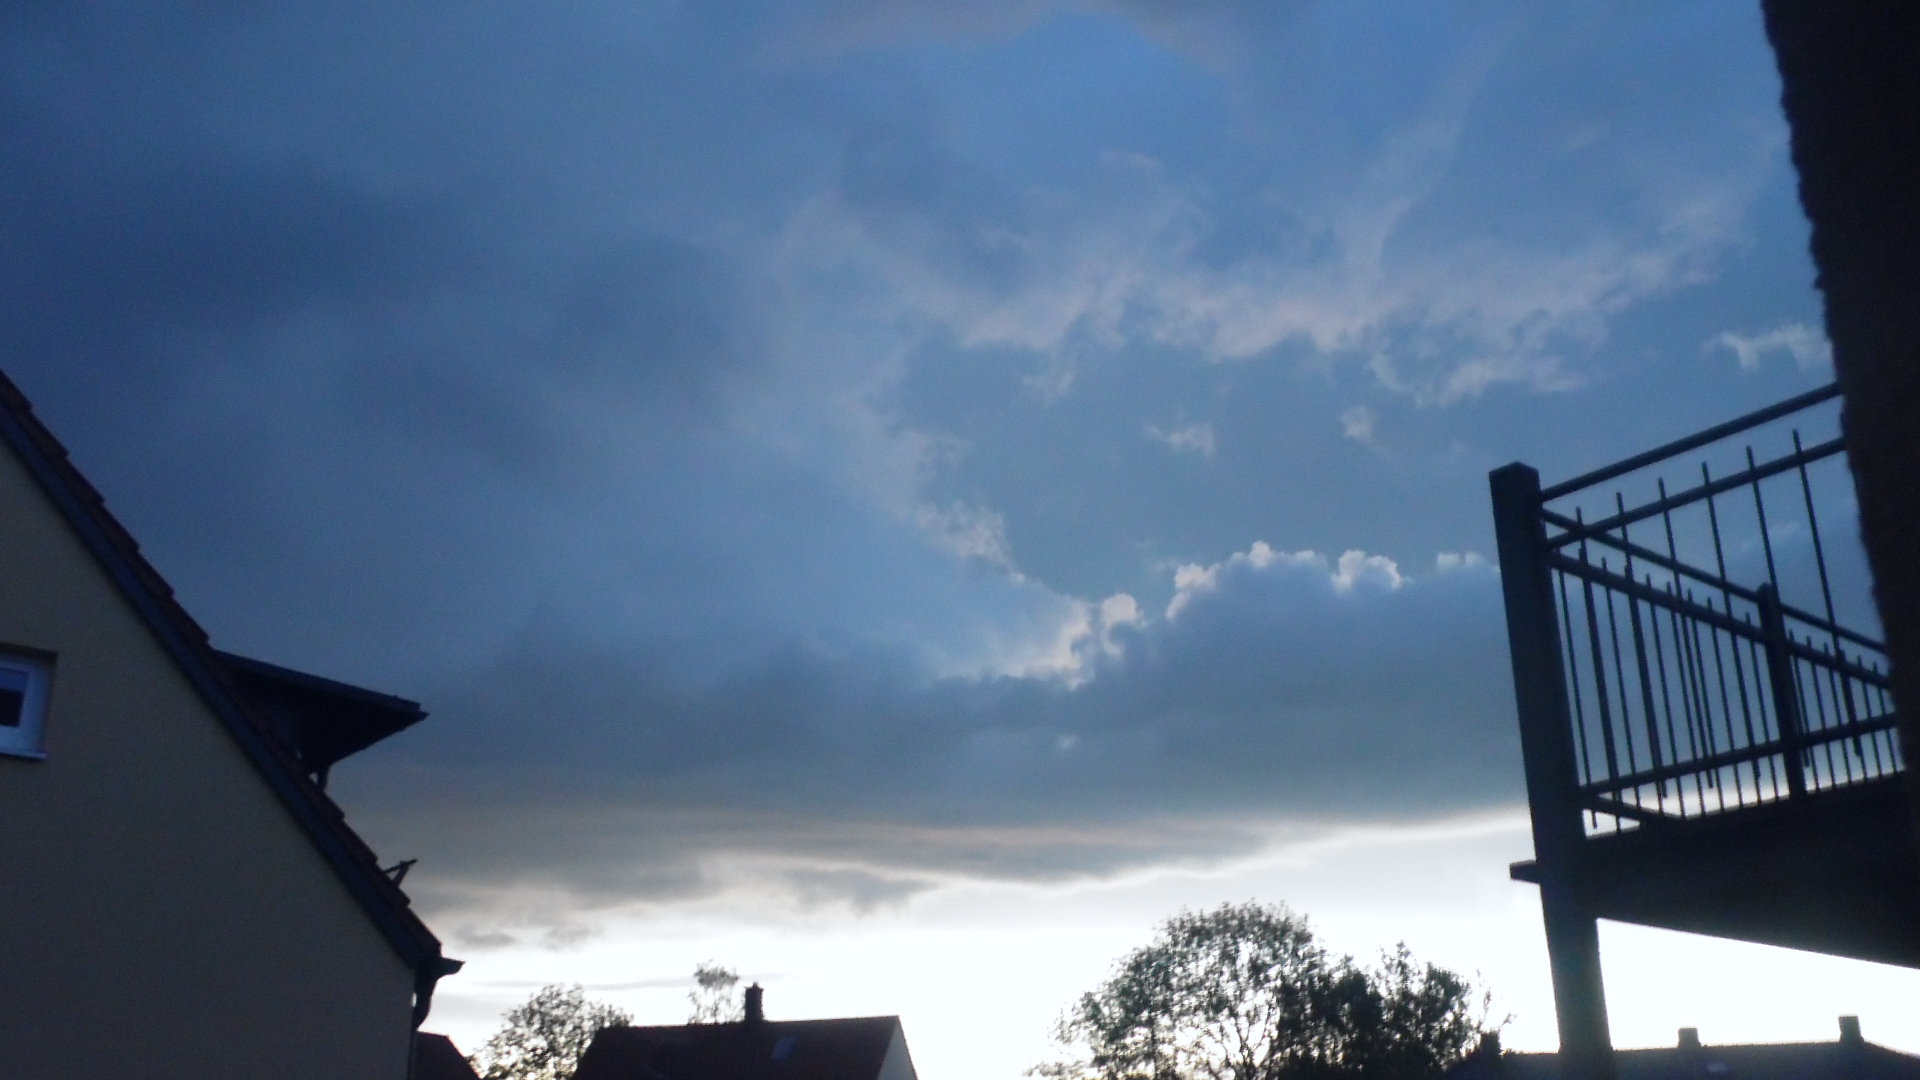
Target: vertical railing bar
1766,538
1620,682
1783,682
1896,753
1694,695
1726,704
1600,677
1667,700
1713,520
1699,700
1760,700
1695,720
1809,685
1820,561
1832,686
1640,660
1879,769
1838,688
1599,671
1573,681
1735,646
1819,551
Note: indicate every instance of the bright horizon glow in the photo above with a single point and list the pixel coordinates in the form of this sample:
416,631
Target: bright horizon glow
978,971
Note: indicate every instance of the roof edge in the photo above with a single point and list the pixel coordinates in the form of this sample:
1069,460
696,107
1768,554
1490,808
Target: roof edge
186,643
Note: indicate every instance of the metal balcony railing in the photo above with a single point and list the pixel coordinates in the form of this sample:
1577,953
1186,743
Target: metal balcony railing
1706,663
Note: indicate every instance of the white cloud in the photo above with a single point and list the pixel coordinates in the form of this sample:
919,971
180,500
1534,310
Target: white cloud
1808,346
1353,567
1116,611
1357,566
1450,561
1358,423
1194,438
1122,263
969,532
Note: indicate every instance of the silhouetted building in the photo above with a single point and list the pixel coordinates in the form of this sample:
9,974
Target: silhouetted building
1850,1058
180,897
436,1058
862,1048
1850,88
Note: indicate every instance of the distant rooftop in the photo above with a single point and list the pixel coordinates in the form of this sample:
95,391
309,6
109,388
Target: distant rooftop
1849,1058
862,1048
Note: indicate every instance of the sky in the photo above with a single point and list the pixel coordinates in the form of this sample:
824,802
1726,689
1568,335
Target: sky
898,498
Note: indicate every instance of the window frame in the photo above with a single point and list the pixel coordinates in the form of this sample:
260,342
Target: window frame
28,738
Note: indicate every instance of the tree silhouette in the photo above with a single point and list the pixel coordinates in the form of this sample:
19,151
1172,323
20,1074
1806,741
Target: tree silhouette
712,995
543,1038
1244,992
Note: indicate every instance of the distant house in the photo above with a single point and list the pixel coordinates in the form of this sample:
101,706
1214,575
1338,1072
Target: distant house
862,1048
436,1058
1851,1058
178,895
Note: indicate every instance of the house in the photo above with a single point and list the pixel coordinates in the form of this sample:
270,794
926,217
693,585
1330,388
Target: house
436,1058
180,896
861,1048
1851,1058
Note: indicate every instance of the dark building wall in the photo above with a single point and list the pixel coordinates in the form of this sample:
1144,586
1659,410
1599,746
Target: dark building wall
1851,92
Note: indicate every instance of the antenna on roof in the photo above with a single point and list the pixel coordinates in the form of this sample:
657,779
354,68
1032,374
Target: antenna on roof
397,873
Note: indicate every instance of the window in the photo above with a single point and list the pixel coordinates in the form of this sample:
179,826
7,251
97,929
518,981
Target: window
23,704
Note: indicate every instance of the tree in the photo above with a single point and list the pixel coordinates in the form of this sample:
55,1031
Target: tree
1244,992
543,1038
712,995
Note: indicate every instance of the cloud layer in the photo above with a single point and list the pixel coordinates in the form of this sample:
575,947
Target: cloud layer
824,444
1275,686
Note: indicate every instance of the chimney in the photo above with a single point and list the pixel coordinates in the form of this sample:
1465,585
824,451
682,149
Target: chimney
755,1013
1689,1038
1850,1031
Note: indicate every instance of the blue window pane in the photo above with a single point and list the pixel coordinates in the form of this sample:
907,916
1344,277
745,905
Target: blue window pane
13,696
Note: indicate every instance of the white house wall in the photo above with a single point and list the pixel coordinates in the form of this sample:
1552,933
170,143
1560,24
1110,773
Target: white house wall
161,912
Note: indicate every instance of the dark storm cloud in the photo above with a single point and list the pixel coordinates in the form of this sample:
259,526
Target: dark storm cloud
1290,690
722,416
120,263
914,191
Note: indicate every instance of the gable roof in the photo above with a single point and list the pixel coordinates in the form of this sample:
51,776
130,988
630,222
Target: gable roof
850,1049
323,822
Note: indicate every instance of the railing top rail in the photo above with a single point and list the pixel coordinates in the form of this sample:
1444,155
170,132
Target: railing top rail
1691,442
1707,579
1587,530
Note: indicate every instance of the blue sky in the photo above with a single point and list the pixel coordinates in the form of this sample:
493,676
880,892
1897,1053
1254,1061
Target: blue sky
894,449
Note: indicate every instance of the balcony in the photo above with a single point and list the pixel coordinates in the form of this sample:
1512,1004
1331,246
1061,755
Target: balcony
1704,703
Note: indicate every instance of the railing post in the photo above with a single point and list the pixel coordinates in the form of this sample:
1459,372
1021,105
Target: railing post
1786,697
1553,779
